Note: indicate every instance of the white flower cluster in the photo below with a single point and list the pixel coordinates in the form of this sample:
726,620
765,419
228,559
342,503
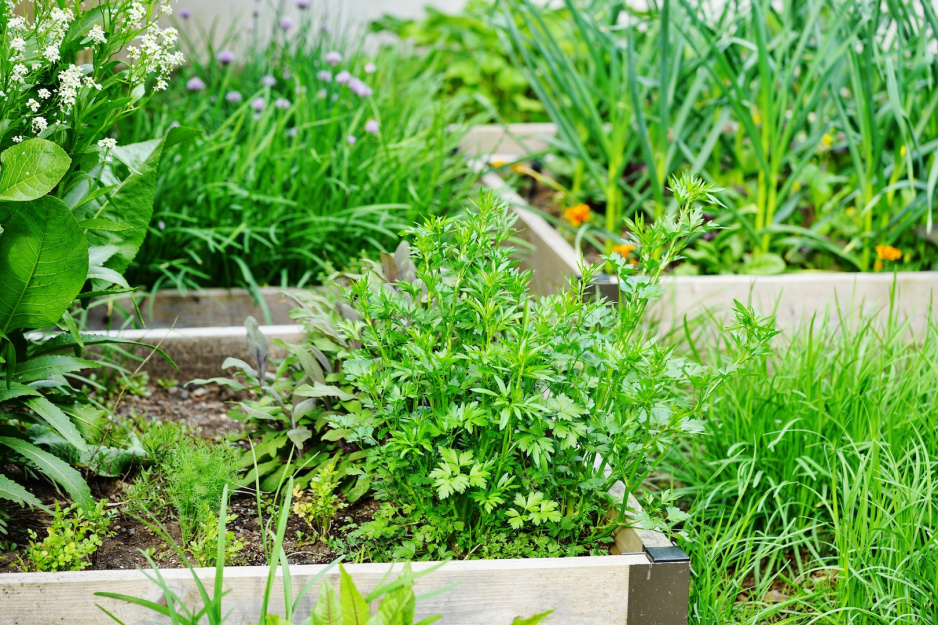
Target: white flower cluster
34,49
156,54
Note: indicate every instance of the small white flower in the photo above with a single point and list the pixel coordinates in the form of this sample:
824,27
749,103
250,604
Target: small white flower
51,53
18,139
45,94
96,34
166,9
39,124
33,105
137,12
18,44
107,143
19,73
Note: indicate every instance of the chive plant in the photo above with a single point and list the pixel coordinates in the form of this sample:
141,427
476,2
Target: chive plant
815,496
313,153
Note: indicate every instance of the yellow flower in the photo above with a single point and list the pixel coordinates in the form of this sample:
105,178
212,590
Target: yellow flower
796,186
519,168
497,162
826,141
756,119
576,215
878,265
888,252
623,249
902,152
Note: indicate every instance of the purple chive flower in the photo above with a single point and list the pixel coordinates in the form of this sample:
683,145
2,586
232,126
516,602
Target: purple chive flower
268,81
282,104
352,140
322,93
359,88
371,127
325,28
370,68
287,75
286,23
343,77
234,96
225,57
302,4
324,75
258,104
195,84
185,14
333,58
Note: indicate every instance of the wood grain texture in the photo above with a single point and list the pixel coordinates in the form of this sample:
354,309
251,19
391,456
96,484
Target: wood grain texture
588,591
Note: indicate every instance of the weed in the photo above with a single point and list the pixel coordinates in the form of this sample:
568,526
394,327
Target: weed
71,540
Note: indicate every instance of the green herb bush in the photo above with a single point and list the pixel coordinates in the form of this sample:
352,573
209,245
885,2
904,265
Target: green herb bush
70,541
195,479
489,412
478,68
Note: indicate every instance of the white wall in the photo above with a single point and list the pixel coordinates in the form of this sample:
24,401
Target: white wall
351,12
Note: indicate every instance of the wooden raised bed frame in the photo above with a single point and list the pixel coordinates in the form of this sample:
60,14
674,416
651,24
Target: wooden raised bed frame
645,581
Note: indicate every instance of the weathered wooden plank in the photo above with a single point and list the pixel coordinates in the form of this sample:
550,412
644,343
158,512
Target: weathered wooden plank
200,352
192,309
588,590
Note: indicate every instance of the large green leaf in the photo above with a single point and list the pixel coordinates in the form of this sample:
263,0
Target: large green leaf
12,491
131,203
56,470
31,169
43,264
355,610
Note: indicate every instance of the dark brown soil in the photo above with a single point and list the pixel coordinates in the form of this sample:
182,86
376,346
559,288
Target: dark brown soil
204,409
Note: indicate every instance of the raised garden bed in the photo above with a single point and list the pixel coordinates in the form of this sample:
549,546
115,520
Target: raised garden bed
644,581
806,294
198,329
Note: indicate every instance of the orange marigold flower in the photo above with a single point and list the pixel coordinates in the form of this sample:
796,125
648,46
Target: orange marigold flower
878,265
623,249
888,252
576,215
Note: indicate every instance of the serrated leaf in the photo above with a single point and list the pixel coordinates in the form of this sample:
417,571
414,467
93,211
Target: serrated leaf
11,491
31,169
58,420
43,265
56,470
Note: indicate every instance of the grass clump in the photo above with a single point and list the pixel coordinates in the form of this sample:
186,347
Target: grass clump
815,492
